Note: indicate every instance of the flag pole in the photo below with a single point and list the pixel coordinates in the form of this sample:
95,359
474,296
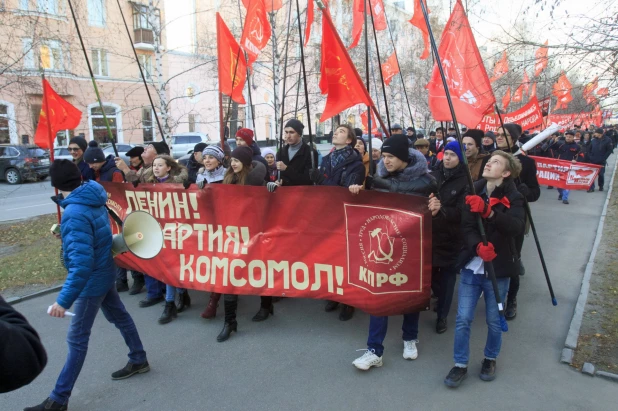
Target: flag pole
285,76
375,37
94,83
302,62
51,139
532,226
488,264
141,71
248,78
367,75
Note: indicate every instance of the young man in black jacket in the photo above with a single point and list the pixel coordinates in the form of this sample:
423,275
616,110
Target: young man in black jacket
600,149
294,159
529,187
22,356
501,208
568,151
446,207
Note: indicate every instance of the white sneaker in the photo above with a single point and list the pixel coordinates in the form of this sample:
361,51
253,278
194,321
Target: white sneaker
409,350
367,360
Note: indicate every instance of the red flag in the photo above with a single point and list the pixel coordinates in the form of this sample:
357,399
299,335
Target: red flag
501,67
418,21
541,60
506,100
232,67
358,18
533,91
518,95
374,123
590,87
338,76
271,5
526,82
390,68
603,92
562,91
465,74
257,31
309,21
57,114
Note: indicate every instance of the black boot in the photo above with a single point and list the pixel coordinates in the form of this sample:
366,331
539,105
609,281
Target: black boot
122,286
184,301
48,404
130,370
331,306
346,313
149,302
511,309
441,325
227,330
138,285
169,313
263,313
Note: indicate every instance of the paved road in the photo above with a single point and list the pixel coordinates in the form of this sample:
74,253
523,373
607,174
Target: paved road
301,358
25,200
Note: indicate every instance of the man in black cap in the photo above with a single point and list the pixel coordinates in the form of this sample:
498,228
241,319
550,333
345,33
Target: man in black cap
77,147
528,186
294,159
436,144
601,148
489,142
196,161
135,158
104,167
411,136
396,129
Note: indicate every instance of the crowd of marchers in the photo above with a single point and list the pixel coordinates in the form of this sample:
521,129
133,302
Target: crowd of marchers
438,168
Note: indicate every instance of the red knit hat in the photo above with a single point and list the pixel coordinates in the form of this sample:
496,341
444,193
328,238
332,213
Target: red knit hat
246,134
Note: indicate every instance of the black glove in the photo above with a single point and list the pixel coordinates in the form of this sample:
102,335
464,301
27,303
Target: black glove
368,182
523,189
316,176
135,183
186,184
201,184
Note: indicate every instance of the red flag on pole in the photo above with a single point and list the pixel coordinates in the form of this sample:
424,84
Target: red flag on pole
271,5
357,22
309,21
506,100
390,68
232,67
541,59
379,14
603,92
56,114
518,96
465,73
374,123
501,67
532,91
257,31
526,82
418,21
562,91
338,76
590,88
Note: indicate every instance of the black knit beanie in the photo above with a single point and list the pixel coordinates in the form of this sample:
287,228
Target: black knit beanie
476,135
161,147
296,125
94,154
243,154
80,141
199,147
514,130
397,145
65,175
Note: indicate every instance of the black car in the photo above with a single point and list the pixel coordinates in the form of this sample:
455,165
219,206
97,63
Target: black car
19,163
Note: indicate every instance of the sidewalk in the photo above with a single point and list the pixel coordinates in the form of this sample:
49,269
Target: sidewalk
300,359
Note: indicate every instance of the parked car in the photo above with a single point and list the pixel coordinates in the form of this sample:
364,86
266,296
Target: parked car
122,150
62,153
19,163
182,144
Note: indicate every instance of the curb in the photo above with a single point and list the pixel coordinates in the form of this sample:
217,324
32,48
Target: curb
573,335
50,290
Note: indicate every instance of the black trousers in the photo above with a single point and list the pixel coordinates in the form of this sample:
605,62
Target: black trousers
230,306
443,281
514,283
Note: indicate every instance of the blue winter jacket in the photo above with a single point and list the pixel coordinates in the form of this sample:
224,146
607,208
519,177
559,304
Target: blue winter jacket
349,172
87,244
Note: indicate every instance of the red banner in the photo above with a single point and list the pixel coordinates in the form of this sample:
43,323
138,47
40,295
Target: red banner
565,174
371,251
528,117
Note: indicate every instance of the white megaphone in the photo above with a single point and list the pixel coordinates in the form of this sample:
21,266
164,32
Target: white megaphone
141,236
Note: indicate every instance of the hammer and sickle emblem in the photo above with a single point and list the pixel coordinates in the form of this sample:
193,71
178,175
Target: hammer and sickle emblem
377,238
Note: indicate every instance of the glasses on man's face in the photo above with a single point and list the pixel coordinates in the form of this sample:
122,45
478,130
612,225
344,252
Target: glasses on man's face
73,149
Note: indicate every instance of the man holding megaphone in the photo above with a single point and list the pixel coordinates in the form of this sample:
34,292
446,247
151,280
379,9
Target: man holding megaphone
90,284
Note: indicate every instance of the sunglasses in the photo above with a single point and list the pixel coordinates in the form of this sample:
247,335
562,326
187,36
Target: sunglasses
73,149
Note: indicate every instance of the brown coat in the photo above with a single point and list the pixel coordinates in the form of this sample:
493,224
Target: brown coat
475,166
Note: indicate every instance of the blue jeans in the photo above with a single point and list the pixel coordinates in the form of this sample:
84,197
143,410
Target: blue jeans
564,193
154,288
86,310
601,178
170,292
379,325
470,288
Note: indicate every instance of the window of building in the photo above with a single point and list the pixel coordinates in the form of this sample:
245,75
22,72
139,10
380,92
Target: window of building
99,62
5,135
352,120
143,23
147,124
52,7
99,129
319,127
48,54
146,62
96,13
